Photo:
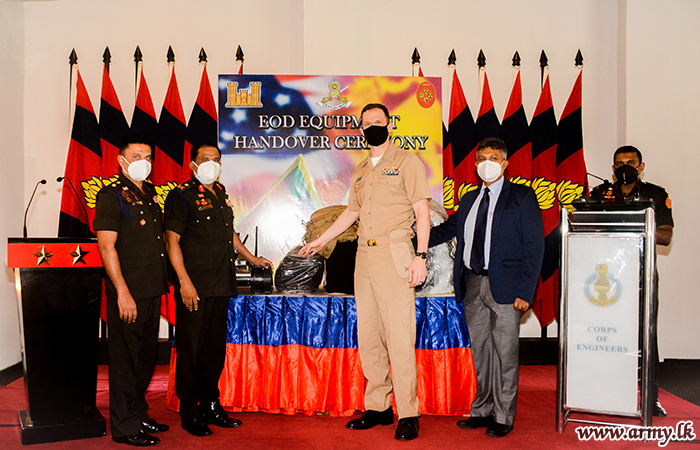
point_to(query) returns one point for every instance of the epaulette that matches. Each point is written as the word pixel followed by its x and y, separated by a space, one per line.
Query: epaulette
pixel 186 185
pixel 110 186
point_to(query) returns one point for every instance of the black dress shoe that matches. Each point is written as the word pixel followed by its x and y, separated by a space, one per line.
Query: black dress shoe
pixel 138 439
pixel 215 414
pixel 371 418
pixel 498 430
pixel 473 423
pixel 659 410
pixel 196 427
pixel 407 429
pixel 151 426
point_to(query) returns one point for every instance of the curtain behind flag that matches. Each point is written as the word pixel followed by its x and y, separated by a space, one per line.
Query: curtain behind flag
pixel 543 129
pixel 462 139
pixel 113 127
pixel 571 164
pixel 515 132
pixel 170 147
pixel 83 168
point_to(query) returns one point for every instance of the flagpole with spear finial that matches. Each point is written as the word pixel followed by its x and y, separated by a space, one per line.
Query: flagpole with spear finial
pixel 415 60
pixel 544 68
pixel 516 65
pixel 239 60
pixel 578 61
pixel 452 66
pixel 138 67
pixel 72 80
pixel 107 58
pixel 171 61
pixel 481 64
pixel 202 60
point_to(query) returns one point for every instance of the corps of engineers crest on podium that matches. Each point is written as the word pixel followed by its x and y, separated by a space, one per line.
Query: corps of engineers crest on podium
pixel 607 287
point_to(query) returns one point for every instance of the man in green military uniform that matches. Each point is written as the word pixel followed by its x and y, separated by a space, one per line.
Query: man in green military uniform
pixel 200 240
pixel 129 226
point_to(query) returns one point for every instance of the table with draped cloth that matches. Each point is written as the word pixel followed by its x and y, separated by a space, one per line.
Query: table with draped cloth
pixel 298 354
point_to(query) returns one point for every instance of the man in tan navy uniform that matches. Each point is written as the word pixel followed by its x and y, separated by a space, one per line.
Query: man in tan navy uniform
pixel 389 193
pixel 129 226
pixel 201 240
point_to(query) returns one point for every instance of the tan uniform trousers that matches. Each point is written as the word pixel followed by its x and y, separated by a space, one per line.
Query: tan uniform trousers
pixel 386 326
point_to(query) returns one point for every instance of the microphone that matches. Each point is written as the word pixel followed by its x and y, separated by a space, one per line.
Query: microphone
pixel 29 204
pixel 605 182
pixel 80 202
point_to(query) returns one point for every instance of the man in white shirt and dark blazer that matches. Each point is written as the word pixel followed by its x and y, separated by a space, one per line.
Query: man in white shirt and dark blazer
pixel 500 247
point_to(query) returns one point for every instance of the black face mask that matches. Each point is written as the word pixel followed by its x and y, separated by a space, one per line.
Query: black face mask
pixel 376 134
pixel 626 174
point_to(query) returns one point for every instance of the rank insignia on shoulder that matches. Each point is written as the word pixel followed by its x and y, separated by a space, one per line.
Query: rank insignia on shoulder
pixel 668 202
pixel 390 171
pixel 142 222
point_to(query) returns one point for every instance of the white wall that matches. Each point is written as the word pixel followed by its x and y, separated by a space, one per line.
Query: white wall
pixel 11 168
pixel 370 37
pixel 663 98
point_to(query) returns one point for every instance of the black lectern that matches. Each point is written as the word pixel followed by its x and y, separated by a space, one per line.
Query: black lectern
pixel 58 284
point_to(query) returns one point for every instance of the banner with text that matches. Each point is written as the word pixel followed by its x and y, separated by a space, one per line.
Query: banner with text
pixel 290 144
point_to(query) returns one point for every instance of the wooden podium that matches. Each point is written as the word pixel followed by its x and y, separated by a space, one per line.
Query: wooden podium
pixel 58 283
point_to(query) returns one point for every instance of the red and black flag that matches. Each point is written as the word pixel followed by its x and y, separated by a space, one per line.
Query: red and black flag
pixel 113 127
pixel 543 129
pixel 202 126
pixel 83 168
pixel 515 132
pixel 487 124
pixel 170 148
pixel 571 165
pixel 462 142
pixel 144 120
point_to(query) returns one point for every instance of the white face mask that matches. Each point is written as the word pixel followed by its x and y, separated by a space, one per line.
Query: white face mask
pixel 208 172
pixel 138 170
pixel 489 170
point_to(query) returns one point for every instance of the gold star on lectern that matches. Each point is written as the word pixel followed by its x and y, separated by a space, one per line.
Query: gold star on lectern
pixel 43 257
pixel 78 255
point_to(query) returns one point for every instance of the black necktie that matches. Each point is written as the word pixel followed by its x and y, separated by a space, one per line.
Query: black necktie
pixel 477 261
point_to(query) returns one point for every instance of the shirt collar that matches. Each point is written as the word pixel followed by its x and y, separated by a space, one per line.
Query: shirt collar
pixel 496 186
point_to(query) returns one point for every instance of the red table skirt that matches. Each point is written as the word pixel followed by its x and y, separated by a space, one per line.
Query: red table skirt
pixel 294 379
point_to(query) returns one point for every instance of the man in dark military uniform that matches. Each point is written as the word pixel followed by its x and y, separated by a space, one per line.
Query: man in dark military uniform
pixel 627 166
pixel 129 226
pixel 200 240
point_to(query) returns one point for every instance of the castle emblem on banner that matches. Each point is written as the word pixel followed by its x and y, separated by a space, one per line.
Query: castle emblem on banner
pixel 606 286
pixel 334 100
pixel 244 98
